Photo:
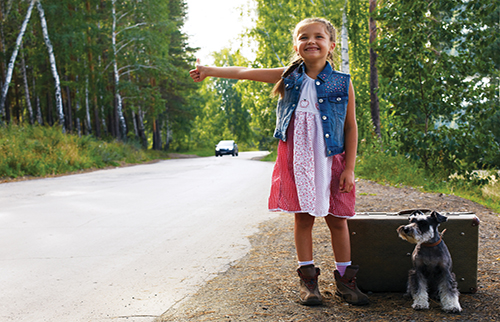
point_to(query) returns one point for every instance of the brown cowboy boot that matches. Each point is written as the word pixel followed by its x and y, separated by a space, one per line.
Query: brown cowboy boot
pixel 309 291
pixel 347 288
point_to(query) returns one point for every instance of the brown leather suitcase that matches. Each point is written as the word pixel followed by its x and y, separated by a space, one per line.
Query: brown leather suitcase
pixel 385 259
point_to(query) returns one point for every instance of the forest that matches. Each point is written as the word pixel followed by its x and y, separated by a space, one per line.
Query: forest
pixel 426 75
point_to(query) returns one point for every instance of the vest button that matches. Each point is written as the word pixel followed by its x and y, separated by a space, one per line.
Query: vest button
pixel 327 135
pixel 339 99
pixel 324 117
pixel 320 100
pixel 318 83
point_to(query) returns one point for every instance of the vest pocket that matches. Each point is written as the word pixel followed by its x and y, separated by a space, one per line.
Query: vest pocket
pixel 339 104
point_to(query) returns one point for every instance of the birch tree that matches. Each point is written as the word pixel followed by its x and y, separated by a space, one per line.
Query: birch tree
pixel 345 42
pixel 118 98
pixel 39 118
pixel 10 68
pixel 53 66
pixel 26 88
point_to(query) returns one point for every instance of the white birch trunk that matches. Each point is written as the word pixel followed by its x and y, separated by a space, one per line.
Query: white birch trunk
pixel 134 122
pixel 140 113
pixel 345 43
pixel 2 43
pixel 53 66
pixel 26 88
pixel 88 124
pixel 12 61
pixel 77 98
pixel 39 118
pixel 123 126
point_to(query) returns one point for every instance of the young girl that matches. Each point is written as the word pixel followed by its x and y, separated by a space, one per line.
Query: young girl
pixel 314 171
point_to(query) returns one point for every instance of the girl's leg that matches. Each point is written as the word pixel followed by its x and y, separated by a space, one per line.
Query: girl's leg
pixel 341 242
pixel 346 282
pixel 303 236
pixel 309 293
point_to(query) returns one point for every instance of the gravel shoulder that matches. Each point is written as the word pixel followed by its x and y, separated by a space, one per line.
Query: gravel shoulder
pixel 262 286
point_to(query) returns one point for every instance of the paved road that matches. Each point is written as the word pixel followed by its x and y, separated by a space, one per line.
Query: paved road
pixel 125 244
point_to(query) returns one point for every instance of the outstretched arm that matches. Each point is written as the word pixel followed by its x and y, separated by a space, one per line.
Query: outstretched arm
pixel 266 75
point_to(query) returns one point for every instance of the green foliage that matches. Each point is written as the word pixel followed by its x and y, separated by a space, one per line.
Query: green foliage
pixel 442 89
pixel 40 151
pixel 153 60
pixel 359 63
pixel 224 114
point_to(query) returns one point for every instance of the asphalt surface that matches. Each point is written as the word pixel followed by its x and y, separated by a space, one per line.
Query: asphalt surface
pixel 129 243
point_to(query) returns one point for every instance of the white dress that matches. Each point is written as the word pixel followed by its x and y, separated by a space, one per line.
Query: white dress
pixel 312 168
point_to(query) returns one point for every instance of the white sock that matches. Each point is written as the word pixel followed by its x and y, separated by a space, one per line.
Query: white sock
pixel 341 266
pixel 305 263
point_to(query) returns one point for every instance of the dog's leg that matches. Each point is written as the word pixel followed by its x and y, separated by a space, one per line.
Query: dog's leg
pixel 417 287
pixel 448 294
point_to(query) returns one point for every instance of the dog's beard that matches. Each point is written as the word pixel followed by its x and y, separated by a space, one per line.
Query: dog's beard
pixel 413 236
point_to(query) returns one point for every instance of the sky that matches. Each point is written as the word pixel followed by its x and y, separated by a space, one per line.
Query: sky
pixel 215 24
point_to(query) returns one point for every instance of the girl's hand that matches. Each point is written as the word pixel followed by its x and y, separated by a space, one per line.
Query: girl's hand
pixel 198 74
pixel 346 181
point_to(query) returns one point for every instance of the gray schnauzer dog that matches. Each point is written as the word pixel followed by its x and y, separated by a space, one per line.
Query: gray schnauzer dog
pixel 431 272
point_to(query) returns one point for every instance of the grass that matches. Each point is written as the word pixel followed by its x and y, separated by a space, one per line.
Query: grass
pixel 271 156
pixel 40 151
pixel 201 152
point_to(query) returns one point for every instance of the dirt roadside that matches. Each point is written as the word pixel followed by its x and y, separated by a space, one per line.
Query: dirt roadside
pixel 262 286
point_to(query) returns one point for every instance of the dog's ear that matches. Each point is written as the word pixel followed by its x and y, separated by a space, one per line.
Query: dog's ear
pixel 438 217
pixel 416 212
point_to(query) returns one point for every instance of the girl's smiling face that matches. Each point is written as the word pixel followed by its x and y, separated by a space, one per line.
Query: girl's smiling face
pixel 312 42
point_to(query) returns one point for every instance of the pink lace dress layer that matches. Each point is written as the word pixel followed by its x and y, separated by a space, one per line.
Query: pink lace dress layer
pixel 304 179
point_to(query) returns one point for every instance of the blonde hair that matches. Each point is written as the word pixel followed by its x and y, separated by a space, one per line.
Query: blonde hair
pixel 296 60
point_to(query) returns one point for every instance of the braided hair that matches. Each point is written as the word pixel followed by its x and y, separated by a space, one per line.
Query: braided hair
pixel 296 60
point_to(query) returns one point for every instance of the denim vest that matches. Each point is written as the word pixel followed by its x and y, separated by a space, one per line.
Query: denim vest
pixel 332 89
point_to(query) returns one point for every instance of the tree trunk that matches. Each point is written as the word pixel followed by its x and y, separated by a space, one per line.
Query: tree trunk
pixel 17 109
pixel 88 124
pixel 92 75
pixel 39 117
pixel 374 102
pixel 50 117
pixel 156 135
pixel 142 133
pixel 26 89
pixel 134 123
pixel 77 107
pixel 69 123
pixel 10 67
pixel 2 45
pixel 53 66
pixel 123 126
pixel 345 42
